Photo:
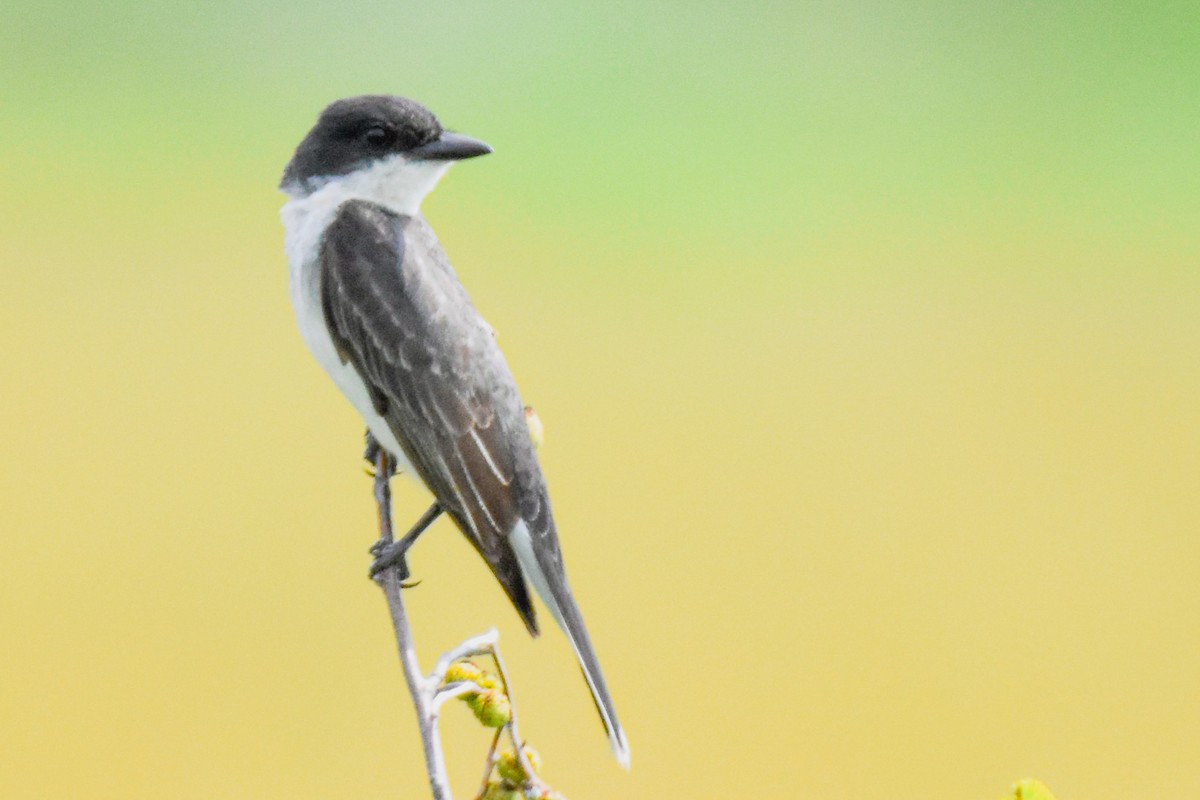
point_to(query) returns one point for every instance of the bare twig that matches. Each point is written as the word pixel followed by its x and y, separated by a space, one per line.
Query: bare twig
pixel 454 690
pixel 482 645
pixel 418 686
pixel 513 733
pixel 489 763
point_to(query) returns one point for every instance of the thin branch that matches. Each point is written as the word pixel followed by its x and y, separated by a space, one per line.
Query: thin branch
pixel 435 761
pixel 454 690
pixel 489 763
pixel 389 582
pixel 513 734
pixel 482 645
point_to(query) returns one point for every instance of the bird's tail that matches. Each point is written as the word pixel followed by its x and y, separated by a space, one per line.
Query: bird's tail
pixel 551 586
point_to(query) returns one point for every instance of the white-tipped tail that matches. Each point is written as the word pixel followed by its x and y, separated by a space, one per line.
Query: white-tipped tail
pixel 557 596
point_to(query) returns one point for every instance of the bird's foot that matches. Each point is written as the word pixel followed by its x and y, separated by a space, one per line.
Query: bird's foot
pixel 390 554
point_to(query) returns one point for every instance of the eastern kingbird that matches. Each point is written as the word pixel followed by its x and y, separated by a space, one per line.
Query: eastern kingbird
pixel 382 311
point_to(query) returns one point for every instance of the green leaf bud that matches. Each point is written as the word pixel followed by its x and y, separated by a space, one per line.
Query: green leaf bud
pixel 491 708
pixel 510 767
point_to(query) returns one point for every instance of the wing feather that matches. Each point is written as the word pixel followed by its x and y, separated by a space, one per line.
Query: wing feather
pixel 435 375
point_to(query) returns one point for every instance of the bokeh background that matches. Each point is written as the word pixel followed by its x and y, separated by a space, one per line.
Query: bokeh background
pixel 866 338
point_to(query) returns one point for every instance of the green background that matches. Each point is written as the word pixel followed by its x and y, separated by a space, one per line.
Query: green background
pixel 866 339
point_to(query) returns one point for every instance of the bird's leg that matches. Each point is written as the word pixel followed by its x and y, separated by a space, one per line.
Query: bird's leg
pixel 383 468
pixel 371 454
pixel 389 553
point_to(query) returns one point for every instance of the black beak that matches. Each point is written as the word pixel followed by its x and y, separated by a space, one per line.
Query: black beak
pixel 450 147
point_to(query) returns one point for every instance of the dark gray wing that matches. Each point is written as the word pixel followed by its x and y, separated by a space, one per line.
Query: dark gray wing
pixel 398 314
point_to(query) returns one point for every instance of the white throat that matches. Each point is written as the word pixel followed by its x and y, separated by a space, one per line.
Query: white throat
pixel 396 183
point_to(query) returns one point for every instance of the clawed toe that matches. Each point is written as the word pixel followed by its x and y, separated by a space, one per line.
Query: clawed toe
pixel 388 555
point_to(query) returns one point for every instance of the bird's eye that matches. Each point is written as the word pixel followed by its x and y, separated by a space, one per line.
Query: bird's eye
pixel 376 136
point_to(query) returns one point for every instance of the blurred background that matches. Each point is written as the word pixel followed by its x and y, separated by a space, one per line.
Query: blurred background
pixel 866 340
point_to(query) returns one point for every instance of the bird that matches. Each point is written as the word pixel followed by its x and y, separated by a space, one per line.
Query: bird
pixel 382 311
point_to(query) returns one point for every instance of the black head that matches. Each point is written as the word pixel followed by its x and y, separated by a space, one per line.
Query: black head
pixel 356 131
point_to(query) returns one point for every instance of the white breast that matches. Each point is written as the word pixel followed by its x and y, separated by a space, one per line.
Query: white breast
pixel 395 183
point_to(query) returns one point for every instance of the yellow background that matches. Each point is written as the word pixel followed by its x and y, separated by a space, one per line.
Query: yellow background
pixel 866 340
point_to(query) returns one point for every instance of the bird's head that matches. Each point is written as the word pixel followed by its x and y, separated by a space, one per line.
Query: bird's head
pixel 381 147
